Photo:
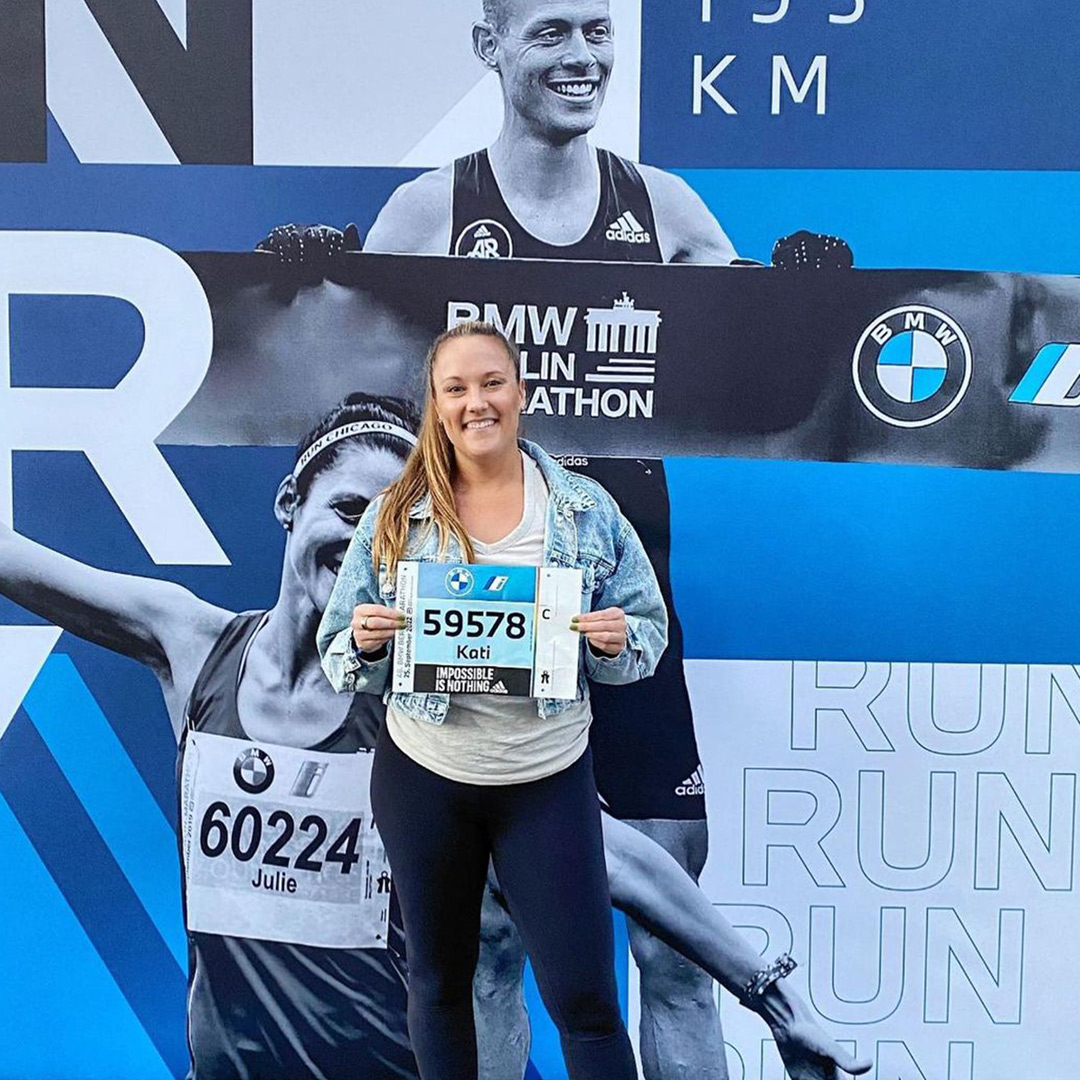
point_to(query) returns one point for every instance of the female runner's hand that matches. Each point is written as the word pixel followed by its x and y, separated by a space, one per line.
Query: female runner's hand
pixel 809 1054
pixel 373 626
pixel 807 1051
pixel 604 630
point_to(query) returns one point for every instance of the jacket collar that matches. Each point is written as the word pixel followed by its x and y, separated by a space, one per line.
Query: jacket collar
pixel 566 488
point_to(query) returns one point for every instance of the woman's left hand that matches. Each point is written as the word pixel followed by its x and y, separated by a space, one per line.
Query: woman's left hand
pixel 604 630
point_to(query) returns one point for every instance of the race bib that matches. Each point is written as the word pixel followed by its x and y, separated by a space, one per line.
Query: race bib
pixel 280 844
pixel 487 630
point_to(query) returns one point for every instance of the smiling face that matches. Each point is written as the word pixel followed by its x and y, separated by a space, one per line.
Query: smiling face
pixel 325 517
pixel 477 396
pixel 555 58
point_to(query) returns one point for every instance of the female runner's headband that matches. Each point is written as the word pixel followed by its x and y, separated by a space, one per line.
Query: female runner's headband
pixel 358 427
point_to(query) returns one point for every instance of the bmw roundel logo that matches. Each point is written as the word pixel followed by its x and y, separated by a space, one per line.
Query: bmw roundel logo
pixel 253 771
pixel 459 581
pixel 912 366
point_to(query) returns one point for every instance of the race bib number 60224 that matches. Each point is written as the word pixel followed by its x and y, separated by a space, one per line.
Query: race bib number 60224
pixel 279 844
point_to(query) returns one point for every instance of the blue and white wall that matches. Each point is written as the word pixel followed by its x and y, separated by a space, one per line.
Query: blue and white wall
pixel 881 656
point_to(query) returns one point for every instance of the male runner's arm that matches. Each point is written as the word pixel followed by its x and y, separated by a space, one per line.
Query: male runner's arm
pixel 154 622
pixel 416 217
pixel 685 226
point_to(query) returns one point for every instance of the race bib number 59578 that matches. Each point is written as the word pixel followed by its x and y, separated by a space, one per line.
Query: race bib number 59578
pixel 279 844
pixel 487 630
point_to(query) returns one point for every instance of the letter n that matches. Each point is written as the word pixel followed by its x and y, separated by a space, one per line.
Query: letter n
pixel 198 95
pixel 22 61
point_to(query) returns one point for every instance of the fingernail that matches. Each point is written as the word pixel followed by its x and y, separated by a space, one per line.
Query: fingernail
pixel 575 628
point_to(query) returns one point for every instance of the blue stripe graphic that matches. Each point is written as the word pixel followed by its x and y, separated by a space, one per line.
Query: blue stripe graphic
pixel 97 891
pixel 48 958
pixel 945 219
pixel 1032 382
pixel 926 219
pixel 817 561
pixel 112 793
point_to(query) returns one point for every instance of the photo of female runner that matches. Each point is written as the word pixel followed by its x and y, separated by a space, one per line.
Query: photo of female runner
pixel 457 780
pixel 267 1009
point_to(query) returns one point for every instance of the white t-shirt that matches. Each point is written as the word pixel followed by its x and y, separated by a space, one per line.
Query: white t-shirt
pixel 497 740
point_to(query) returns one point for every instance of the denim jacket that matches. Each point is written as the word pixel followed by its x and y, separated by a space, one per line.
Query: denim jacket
pixel 584 529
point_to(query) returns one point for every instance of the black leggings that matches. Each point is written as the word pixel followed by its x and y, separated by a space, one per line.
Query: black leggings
pixel 545 840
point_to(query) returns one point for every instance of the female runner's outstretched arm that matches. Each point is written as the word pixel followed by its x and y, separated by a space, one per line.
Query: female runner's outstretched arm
pixel 159 623
pixel 648 884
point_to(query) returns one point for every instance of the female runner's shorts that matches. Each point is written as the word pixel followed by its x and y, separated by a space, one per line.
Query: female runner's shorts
pixel 645 755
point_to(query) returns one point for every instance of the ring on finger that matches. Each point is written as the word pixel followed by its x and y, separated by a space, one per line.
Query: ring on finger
pixel 363 622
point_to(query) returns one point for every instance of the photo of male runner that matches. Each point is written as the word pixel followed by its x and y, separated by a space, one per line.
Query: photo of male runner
pixel 542 190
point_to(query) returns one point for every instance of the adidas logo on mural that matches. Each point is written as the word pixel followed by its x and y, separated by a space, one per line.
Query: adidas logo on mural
pixel 694 784
pixel 627 228
pixel 498 688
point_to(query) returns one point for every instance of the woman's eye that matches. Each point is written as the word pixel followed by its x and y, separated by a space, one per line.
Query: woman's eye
pixel 492 383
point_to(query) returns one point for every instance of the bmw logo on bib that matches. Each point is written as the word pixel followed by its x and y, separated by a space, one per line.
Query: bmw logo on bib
pixel 459 581
pixel 254 771
pixel 912 366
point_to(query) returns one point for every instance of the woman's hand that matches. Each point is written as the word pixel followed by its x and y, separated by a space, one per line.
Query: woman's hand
pixel 374 625
pixel 604 630
pixel 807 1051
pixel 809 1054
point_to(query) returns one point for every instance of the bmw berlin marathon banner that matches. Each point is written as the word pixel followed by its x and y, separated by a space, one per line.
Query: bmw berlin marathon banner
pixel 794 281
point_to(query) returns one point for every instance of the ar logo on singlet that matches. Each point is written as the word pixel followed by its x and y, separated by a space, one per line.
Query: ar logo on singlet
pixel 912 366
pixel 484 239
pixel 253 771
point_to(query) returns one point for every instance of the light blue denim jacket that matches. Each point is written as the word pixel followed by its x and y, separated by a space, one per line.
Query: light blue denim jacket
pixel 584 528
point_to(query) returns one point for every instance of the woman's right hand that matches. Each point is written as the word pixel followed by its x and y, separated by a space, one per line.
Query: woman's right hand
pixel 373 626
pixel 808 1052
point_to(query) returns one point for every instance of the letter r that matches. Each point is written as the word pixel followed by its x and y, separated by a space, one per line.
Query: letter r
pixel 116 427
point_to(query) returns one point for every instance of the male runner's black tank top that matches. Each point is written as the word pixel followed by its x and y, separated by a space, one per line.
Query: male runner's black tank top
pixel 623 230
pixel 644 748
pixel 268 1010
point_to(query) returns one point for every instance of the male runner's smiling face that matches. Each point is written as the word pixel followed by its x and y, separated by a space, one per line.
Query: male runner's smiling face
pixel 555 59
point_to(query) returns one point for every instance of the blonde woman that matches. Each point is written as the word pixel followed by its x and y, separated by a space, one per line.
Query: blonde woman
pixel 460 780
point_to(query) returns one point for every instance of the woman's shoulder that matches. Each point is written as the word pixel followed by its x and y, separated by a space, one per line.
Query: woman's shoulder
pixel 562 478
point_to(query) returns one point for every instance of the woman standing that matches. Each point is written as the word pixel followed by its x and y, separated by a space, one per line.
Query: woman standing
pixel 458 780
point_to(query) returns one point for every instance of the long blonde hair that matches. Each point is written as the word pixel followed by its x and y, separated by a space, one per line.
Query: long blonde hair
pixel 429 470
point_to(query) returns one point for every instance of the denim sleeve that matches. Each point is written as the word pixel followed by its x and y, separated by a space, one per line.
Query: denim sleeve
pixel 633 587
pixel 346 668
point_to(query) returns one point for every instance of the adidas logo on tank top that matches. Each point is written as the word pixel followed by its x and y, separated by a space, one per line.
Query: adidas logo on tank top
pixel 628 229
pixel 694 784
